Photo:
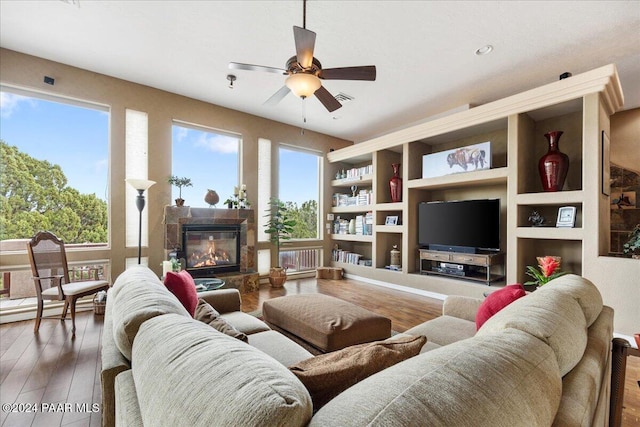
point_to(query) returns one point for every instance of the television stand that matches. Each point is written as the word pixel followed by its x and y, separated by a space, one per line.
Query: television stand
pixel 448 264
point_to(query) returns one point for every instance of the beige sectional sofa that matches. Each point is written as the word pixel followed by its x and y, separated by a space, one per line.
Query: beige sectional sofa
pixel 543 360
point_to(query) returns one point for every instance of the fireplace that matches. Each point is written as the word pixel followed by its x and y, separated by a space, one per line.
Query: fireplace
pixel 210 249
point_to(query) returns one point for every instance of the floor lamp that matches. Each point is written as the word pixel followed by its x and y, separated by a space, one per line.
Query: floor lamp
pixel 140 185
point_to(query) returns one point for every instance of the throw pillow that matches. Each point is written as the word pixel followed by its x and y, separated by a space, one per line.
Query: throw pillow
pixel 184 288
pixel 327 375
pixel 209 315
pixel 496 301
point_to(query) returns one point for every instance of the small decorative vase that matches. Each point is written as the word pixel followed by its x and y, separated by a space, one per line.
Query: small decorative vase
pixel 396 260
pixel 395 184
pixel 352 226
pixel 277 277
pixel 554 165
pixel 211 198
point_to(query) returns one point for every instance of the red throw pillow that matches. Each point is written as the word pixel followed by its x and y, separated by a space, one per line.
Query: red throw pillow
pixel 498 300
pixel 184 288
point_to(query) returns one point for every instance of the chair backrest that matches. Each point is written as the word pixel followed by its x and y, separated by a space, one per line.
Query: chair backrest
pixel 48 257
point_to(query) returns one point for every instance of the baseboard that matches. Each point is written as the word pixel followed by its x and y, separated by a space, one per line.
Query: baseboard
pixel 415 291
pixel 17 314
pixel 292 276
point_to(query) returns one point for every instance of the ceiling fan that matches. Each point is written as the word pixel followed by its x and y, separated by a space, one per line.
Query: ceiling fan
pixel 305 72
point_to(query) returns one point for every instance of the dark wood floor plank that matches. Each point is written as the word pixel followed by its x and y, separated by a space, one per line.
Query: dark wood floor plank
pixel 26 358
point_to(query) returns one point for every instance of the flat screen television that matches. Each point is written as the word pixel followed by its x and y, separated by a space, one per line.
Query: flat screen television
pixel 460 226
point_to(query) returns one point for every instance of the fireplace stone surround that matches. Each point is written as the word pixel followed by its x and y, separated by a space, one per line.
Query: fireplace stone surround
pixel 247 279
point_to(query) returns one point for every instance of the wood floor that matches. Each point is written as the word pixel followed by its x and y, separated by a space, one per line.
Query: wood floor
pixel 53 369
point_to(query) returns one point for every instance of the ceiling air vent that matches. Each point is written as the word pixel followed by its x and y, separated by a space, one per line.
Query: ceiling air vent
pixel 343 97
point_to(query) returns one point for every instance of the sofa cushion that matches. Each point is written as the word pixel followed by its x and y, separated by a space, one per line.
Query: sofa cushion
pixel 444 330
pixel 134 274
pixel 128 413
pixel 581 388
pixel 137 302
pixel 188 374
pixel 504 379
pixel 327 375
pixel 184 288
pixel 245 323
pixel 498 300
pixel 207 314
pixel 279 347
pixel 553 317
pixel 580 289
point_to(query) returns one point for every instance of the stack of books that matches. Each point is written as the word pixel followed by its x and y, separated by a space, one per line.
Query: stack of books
pixel 347 257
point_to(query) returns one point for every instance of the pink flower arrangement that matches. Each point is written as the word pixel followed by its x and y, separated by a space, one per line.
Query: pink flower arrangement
pixel 548 269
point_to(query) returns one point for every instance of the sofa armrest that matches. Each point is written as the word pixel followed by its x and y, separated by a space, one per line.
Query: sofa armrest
pixel 461 307
pixel 223 300
pixel 113 363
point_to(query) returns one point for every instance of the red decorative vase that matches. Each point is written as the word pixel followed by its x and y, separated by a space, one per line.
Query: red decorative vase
pixel 395 184
pixel 554 165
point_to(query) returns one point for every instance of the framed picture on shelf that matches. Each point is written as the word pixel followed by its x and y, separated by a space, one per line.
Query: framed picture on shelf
pixel 566 216
pixel 459 160
pixel 391 220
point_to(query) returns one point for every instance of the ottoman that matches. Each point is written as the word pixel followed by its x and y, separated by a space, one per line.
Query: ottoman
pixel 325 322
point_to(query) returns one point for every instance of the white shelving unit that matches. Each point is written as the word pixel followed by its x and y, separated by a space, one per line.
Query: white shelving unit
pixel 515 126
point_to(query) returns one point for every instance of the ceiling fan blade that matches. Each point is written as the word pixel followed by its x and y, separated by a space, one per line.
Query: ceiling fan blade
pixel 305 43
pixel 251 67
pixel 366 72
pixel 329 102
pixel 278 96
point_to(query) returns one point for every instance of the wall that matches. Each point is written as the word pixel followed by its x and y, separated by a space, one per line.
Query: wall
pixel 616 278
pixel 625 139
pixel 27 72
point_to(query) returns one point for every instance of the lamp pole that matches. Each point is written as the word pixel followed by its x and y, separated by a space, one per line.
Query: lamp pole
pixel 140 205
pixel 140 185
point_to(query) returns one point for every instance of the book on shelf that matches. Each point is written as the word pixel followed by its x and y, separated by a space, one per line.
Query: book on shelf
pixel 339 255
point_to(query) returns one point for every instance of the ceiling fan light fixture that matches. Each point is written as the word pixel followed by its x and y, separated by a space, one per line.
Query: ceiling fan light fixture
pixel 303 84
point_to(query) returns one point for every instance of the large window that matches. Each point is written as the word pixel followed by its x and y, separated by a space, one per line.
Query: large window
pixel 54 164
pixel 299 188
pixel 209 158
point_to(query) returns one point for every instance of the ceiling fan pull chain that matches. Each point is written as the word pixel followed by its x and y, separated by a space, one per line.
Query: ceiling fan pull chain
pixel 304 116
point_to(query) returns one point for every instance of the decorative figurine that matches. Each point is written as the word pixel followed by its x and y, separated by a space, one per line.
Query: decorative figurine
pixel 536 219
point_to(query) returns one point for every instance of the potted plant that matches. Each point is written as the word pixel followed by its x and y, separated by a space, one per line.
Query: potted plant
pixel 230 203
pixel 632 245
pixel 180 182
pixel 549 269
pixel 280 226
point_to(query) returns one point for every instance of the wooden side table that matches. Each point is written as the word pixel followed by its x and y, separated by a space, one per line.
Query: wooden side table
pixel 621 349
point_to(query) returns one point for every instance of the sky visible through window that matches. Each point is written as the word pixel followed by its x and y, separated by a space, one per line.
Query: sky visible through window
pixel 75 138
pixel 209 159
pixel 298 176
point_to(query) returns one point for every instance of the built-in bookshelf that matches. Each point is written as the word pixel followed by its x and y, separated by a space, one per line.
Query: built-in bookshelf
pixel 515 127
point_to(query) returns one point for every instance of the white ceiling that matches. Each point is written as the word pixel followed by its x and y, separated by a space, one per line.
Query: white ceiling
pixel 423 50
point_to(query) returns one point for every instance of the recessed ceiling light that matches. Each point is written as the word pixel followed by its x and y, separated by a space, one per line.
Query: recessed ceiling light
pixel 484 50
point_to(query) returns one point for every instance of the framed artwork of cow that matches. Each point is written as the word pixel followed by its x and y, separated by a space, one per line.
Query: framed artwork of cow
pixel 459 160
